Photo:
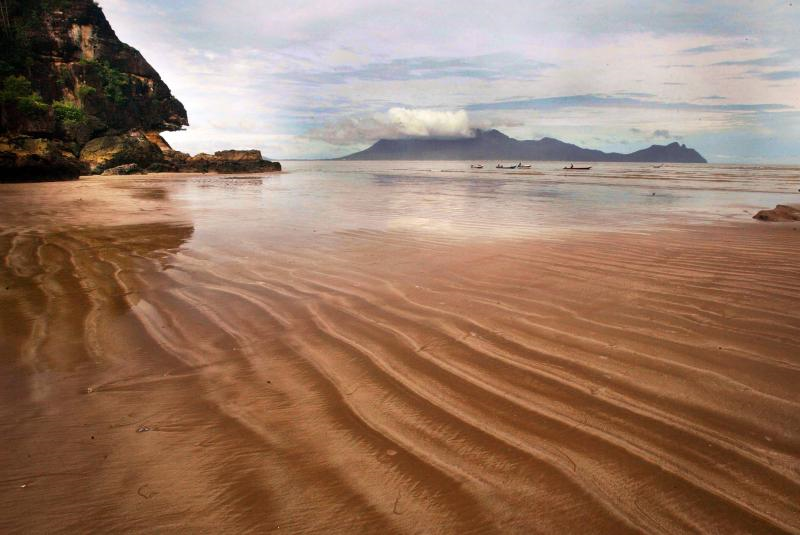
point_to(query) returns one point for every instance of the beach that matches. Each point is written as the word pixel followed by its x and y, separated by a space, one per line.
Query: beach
pixel 396 347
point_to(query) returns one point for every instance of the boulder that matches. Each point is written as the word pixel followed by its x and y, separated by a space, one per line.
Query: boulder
pixel 229 161
pixel 781 212
pixel 111 151
pixel 251 155
pixel 24 159
pixel 125 169
pixel 161 167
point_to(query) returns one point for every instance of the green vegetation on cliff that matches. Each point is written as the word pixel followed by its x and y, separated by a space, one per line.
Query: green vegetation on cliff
pixel 115 83
pixel 18 91
pixel 68 114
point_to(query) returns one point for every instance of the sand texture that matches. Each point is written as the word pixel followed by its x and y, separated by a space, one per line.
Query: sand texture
pixel 163 373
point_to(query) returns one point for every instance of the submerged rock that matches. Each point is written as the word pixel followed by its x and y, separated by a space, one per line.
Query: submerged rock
pixel 781 212
pixel 24 159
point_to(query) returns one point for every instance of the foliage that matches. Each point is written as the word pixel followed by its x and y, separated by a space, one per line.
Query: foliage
pixel 115 83
pixel 15 87
pixel 68 114
pixel 85 90
pixel 18 90
pixel 64 77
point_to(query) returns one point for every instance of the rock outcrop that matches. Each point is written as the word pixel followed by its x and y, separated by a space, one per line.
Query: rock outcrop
pixel 112 151
pixel 23 158
pixel 124 169
pixel 75 99
pixel 780 213
pixel 230 161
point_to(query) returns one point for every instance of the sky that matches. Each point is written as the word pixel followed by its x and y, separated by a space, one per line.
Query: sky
pixel 325 78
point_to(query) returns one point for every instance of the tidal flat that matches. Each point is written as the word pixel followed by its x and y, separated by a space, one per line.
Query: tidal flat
pixel 402 347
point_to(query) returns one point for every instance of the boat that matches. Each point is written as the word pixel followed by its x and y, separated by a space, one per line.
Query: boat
pixel 476 166
pixel 521 166
pixel 501 166
pixel 573 168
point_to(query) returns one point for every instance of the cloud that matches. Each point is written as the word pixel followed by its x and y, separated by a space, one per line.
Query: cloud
pixel 780 75
pixel 635 94
pixel 706 49
pixel 656 134
pixel 430 123
pixel 404 123
pixel 397 123
pixel 484 67
pixel 604 101
pixel 764 61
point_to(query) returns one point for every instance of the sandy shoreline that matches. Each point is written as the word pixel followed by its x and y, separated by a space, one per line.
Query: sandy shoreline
pixel 156 379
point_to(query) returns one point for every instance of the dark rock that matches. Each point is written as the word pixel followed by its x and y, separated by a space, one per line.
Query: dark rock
pixel 125 169
pixel 781 212
pixel 229 161
pixel 251 155
pixel 111 151
pixel 161 167
pixel 25 159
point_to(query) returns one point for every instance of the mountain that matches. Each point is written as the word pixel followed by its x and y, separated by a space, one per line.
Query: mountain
pixel 75 99
pixel 494 145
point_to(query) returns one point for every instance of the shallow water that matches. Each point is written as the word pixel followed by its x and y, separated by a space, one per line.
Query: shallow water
pixel 449 198
pixel 437 198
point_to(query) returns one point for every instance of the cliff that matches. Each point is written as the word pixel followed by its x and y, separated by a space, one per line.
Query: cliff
pixel 494 145
pixel 75 99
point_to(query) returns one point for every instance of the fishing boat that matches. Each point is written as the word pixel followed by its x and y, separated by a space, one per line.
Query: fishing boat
pixel 521 166
pixel 573 168
pixel 501 166
pixel 476 166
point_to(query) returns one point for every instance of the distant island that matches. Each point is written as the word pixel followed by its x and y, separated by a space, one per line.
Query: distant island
pixel 494 145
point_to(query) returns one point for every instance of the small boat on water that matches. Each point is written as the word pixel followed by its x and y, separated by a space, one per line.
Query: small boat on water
pixel 521 166
pixel 476 166
pixel 501 166
pixel 573 168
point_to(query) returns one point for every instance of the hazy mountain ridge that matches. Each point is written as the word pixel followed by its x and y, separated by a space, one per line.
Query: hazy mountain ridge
pixel 494 145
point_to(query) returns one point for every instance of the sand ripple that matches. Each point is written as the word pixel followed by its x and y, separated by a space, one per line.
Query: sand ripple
pixel 156 377
pixel 376 382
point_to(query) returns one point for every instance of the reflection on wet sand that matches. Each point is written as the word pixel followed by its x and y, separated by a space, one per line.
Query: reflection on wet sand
pixel 255 371
pixel 61 289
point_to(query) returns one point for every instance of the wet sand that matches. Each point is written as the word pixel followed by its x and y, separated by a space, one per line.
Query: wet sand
pixel 162 371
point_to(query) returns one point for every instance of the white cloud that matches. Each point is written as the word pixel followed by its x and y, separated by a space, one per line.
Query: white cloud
pixel 397 123
pixel 400 123
pixel 429 123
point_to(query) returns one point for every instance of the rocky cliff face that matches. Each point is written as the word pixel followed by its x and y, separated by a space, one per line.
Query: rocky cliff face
pixel 84 100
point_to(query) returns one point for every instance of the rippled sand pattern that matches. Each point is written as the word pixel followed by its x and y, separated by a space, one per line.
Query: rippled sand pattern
pixel 163 371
